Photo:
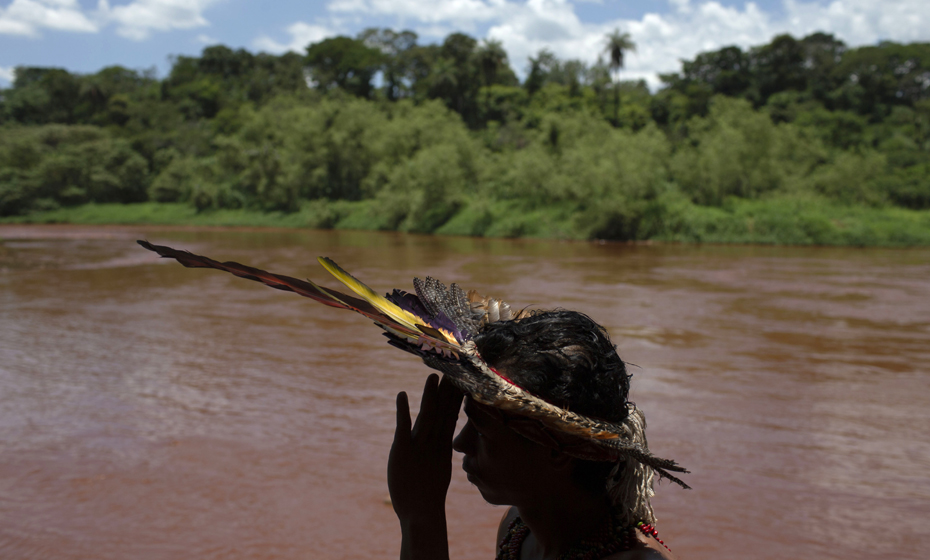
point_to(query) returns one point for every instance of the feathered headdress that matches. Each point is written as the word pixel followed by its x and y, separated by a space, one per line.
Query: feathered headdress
pixel 438 324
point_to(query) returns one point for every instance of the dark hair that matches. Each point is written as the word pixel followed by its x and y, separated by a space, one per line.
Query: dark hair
pixel 568 360
pixel 563 357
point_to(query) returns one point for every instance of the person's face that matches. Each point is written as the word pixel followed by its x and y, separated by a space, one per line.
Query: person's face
pixel 503 465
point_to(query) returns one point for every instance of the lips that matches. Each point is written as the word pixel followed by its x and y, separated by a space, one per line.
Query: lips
pixel 468 468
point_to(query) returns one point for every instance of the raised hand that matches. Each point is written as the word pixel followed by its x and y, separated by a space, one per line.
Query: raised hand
pixel 420 464
pixel 420 469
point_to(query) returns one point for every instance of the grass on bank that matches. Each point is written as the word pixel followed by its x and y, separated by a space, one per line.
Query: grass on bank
pixel 775 221
pixel 797 222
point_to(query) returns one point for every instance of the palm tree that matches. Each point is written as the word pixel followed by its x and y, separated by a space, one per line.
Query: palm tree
pixel 616 46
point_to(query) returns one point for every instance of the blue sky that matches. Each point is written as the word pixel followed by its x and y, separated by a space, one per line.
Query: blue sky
pixel 86 35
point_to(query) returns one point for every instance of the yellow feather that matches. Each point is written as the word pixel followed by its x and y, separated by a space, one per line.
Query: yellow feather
pixel 390 309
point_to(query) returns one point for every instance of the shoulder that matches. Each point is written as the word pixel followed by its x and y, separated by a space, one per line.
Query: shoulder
pixel 640 554
pixel 647 549
pixel 508 517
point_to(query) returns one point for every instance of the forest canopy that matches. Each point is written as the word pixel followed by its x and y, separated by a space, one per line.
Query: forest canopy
pixel 773 143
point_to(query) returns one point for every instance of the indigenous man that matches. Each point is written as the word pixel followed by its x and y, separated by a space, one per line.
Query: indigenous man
pixel 549 432
pixel 567 502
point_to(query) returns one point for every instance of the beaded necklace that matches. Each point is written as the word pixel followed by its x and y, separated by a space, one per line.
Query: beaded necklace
pixel 609 539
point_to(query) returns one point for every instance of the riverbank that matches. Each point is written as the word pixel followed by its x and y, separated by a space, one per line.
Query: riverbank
pixel 771 222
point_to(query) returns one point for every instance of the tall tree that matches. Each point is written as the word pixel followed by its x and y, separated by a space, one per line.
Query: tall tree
pixel 778 66
pixel 492 58
pixel 617 45
pixel 546 68
pixel 419 67
pixel 43 95
pixel 822 54
pixel 727 71
pixel 456 78
pixel 541 68
pixel 345 63
pixel 397 63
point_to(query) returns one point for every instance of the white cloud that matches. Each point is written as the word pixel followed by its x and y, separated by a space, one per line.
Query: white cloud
pixel 206 39
pixel 27 17
pixel 459 13
pixel 134 20
pixel 10 26
pixel 435 31
pixel 662 40
pixel 862 22
pixel 550 24
pixel 302 34
pixel 139 18
pixel 7 74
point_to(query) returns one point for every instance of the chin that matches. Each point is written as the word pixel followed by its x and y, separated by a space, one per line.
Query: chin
pixel 487 493
pixel 489 496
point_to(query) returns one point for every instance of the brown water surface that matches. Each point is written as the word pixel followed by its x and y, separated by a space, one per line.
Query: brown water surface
pixel 149 411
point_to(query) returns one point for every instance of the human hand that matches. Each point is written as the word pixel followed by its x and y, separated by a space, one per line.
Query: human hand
pixel 420 463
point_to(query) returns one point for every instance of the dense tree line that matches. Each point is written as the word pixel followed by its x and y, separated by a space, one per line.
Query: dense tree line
pixel 444 137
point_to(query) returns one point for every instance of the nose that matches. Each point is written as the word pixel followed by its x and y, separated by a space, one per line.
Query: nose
pixel 465 441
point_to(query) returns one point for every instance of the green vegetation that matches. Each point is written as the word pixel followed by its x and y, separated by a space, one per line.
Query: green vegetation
pixel 794 142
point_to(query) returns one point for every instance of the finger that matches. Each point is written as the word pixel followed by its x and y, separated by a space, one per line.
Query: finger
pixel 402 430
pixel 426 416
pixel 448 389
pixel 450 403
pixel 449 397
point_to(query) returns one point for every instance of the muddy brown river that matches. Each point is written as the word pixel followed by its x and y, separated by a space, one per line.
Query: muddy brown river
pixel 149 411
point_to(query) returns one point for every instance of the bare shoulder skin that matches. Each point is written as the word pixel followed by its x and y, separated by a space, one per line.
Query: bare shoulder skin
pixel 649 549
